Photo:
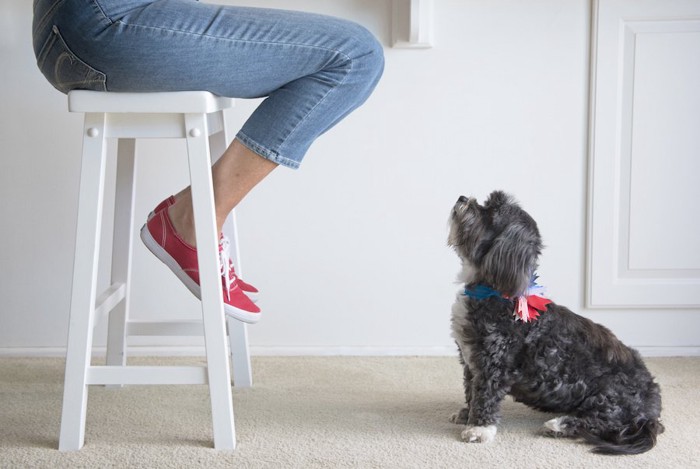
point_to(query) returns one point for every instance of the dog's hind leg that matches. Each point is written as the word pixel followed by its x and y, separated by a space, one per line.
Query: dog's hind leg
pixel 566 427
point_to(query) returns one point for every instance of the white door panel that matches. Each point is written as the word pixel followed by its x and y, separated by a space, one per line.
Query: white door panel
pixel 644 220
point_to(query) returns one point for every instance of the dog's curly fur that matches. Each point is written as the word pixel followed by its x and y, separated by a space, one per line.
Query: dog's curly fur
pixel 561 362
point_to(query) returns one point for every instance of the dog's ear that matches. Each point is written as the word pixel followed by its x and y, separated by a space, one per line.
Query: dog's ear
pixel 498 198
pixel 512 259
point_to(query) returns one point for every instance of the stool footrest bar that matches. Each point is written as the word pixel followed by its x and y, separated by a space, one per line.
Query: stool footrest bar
pixel 147 375
pixel 109 299
pixel 165 328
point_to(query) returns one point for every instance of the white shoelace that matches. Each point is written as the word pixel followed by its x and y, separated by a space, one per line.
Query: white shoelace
pixel 226 265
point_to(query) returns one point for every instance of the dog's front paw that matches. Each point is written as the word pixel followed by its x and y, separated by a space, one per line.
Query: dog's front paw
pixel 460 417
pixel 479 434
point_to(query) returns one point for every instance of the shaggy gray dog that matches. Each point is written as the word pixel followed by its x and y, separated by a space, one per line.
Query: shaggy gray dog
pixel 548 358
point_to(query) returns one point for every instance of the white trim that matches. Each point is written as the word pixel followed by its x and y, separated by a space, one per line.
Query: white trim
pixel 291 351
pixel 355 351
pixel 412 24
pixel 651 351
pixel 135 351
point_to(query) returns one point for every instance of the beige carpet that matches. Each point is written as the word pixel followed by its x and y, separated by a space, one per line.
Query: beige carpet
pixel 316 412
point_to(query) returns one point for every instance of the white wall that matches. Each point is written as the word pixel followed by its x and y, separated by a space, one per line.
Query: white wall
pixel 350 250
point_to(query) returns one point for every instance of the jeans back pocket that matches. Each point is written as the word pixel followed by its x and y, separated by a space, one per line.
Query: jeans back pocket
pixel 64 70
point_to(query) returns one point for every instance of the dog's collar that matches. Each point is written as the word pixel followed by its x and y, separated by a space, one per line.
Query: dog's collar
pixel 527 307
pixel 481 292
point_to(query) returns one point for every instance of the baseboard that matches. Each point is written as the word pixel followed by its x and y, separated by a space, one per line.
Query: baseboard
pixel 437 351
pixel 292 351
pixel 651 351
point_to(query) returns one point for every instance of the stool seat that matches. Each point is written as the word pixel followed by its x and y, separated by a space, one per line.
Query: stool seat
pixel 166 102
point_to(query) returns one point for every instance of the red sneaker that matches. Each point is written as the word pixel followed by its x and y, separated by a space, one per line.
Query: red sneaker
pixel 160 238
pixel 247 288
pixel 164 204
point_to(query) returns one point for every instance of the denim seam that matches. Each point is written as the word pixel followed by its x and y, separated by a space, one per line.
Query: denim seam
pixel 99 7
pixel 47 16
pixel 209 36
pixel 266 152
pixel 58 37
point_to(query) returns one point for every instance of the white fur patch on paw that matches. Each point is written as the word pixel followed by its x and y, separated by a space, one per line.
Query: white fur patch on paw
pixel 555 425
pixel 479 434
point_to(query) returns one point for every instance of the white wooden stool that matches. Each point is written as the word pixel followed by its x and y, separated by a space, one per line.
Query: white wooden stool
pixel 197 117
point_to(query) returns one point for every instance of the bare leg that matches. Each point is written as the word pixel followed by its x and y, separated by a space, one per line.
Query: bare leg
pixel 238 170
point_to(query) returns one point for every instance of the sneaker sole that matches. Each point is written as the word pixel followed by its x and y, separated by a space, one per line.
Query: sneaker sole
pixel 192 286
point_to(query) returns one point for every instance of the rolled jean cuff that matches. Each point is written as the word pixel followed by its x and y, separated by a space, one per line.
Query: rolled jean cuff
pixel 266 153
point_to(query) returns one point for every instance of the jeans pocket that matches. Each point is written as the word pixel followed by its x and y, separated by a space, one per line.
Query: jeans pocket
pixel 64 70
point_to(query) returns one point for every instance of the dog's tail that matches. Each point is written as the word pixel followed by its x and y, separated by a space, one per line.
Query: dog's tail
pixel 636 438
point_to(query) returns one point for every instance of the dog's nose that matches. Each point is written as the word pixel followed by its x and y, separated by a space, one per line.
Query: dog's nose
pixel 462 199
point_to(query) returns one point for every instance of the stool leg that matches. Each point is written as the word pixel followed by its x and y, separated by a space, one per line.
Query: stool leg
pixel 240 353
pixel 210 281
pixel 87 246
pixel 237 330
pixel 122 250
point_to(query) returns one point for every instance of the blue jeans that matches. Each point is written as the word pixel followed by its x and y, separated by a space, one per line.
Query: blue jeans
pixel 313 69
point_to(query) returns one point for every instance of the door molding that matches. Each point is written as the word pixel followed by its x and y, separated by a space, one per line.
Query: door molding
pixel 628 261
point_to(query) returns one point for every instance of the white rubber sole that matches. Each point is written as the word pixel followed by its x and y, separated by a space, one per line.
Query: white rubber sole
pixel 192 286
